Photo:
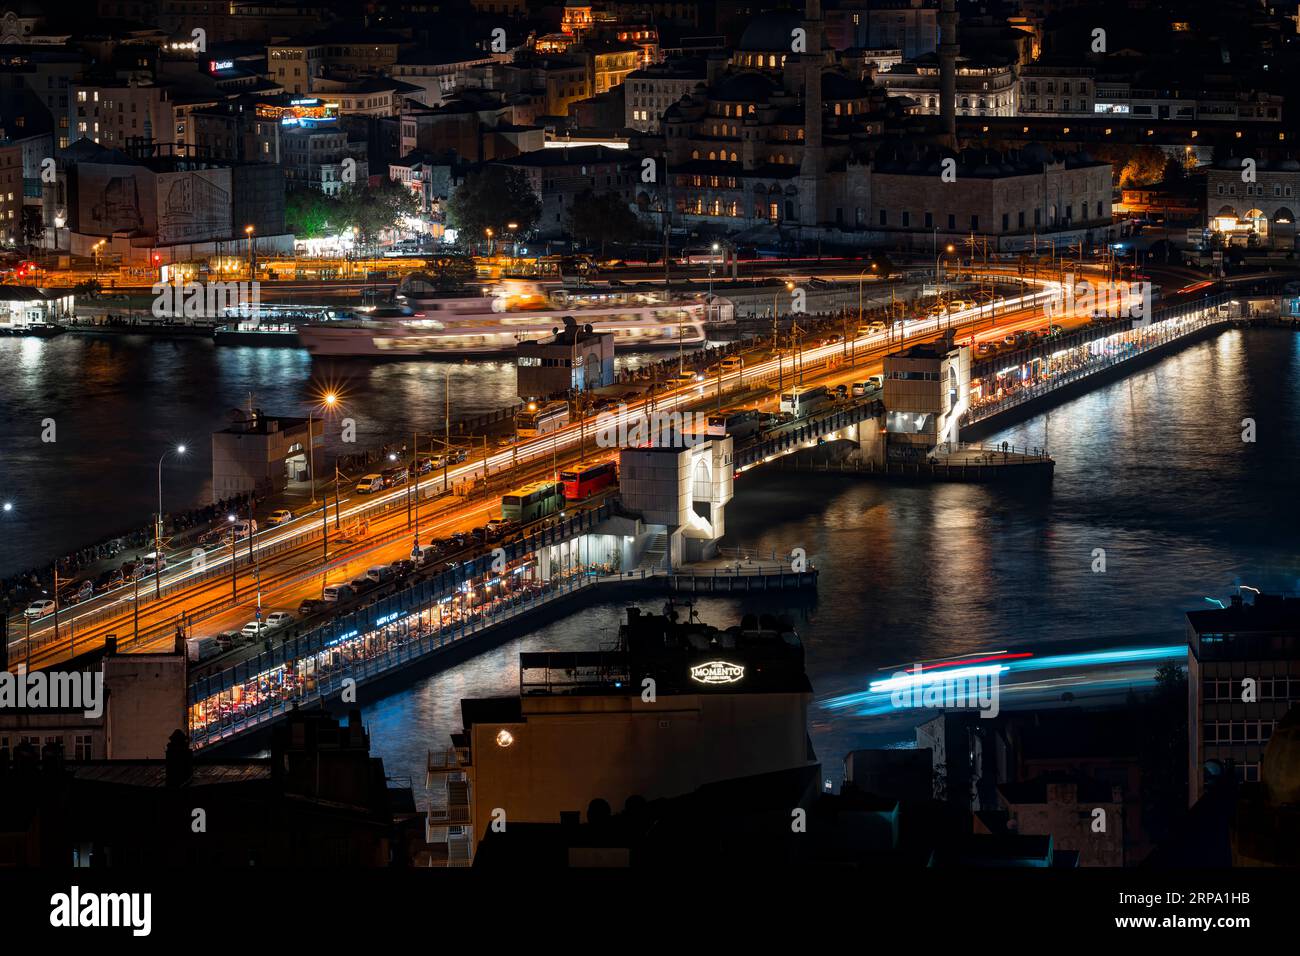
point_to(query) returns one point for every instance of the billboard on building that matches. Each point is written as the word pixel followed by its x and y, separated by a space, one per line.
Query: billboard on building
pixel 193 206
pixel 114 198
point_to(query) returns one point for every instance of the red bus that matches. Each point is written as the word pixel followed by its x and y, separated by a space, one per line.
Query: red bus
pixel 579 485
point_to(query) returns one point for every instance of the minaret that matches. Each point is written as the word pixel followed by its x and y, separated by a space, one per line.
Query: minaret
pixel 813 165
pixel 948 70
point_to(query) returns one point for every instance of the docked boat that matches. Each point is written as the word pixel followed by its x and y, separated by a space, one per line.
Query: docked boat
pixel 422 324
pixel 41 330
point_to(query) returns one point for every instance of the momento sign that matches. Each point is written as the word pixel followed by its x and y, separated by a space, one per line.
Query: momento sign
pixel 717 672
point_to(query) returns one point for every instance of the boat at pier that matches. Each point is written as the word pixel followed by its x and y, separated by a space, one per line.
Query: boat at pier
pixel 425 323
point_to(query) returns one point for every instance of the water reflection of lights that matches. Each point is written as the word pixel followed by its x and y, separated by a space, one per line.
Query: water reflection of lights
pixel 1034 673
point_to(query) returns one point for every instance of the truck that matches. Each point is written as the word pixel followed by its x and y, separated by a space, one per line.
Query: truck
pixel 201 648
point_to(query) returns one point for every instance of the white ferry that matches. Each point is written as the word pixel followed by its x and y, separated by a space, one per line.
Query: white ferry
pixel 423 324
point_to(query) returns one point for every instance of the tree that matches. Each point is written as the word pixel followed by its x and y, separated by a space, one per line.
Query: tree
pixel 494 197
pixel 598 218
pixel 90 289
pixel 310 214
pixel 33 229
pixel 373 209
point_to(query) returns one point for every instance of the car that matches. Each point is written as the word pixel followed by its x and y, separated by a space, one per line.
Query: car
pixel 1009 339
pixel 458 540
pixel 252 629
pixel 362 584
pixel 369 484
pixel 109 579
pixel 841 391
pixel 505 441
pixel 279 516
pixel 402 566
pixel 380 574
pixel 337 592
pixel 311 606
pixel 499 526
pixel 427 465
pixel 394 476
pixel 151 563
pixel 278 619
pixel 458 456
pixel 228 639
pixel 39 608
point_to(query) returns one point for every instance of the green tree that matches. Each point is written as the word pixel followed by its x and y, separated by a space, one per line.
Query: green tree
pixel 599 218
pixel 373 209
pixel 310 214
pixel 493 198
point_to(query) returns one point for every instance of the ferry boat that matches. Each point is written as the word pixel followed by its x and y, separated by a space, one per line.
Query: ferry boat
pixel 495 322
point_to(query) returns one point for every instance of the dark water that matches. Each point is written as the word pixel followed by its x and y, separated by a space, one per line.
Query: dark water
pixel 119 402
pixel 1152 469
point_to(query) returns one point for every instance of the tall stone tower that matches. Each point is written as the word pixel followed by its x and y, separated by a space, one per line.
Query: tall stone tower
pixel 813 166
pixel 948 50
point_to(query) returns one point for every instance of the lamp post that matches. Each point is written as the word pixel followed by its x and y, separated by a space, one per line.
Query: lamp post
pixel 234 558
pixel 157 533
pixel 248 231
pixel 713 259
pixel 328 400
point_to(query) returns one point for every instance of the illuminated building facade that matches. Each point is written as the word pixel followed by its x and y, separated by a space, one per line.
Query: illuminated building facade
pixel 1250 202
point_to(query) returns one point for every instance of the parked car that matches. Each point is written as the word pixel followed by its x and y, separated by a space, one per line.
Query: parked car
pixel 151 563
pixel 252 629
pixel 362 584
pixel 278 619
pixel 39 608
pixel 279 516
pixel 311 606
pixel 337 592
pixel 369 484
pixel 402 566
pixel 394 476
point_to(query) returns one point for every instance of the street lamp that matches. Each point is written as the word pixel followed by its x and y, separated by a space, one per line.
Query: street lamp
pixel 712 265
pixel 248 231
pixel 157 533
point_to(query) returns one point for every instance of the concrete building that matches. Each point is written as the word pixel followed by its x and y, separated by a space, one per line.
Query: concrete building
pixel 1054 87
pixel 927 387
pixel 983 88
pixel 560 176
pixel 1253 203
pixel 262 454
pixel 323 157
pixel 681 493
pixel 581 738
pixel 1079 814
pixel 1011 196
pixel 574 360
pixel 339 52
pixel 142 701
pixel 437 73
pixel 649 91
pixel 1243 675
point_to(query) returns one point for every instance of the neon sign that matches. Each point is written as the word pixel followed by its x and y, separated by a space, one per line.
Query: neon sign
pixel 717 672
pixel 215 65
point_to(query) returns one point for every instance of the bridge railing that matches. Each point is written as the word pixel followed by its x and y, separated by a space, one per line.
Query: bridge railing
pixel 1169 328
